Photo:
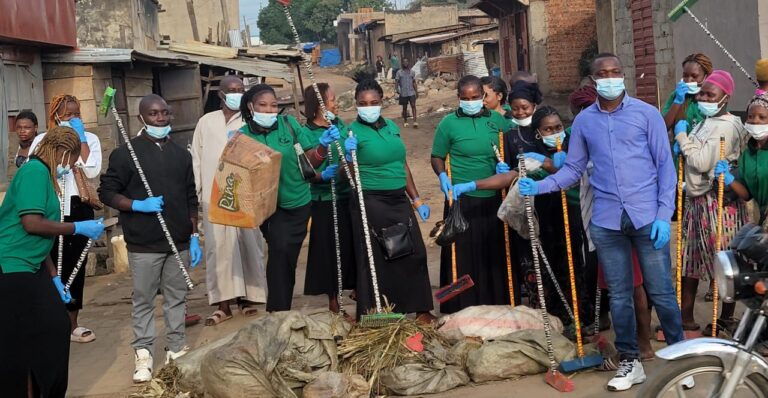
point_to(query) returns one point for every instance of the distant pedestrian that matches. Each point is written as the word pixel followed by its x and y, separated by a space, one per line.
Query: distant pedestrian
pixel 380 67
pixel 26 129
pixel 394 63
pixel 405 86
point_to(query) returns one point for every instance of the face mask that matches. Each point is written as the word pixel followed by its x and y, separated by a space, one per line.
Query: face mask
pixel 524 122
pixel 265 120
pixel 62 170
pixel 330 116
pixel 693 88
pixel 232 100
pixel 610 88
pixel 64 123
pixel 158 132
pixel 369 114
pixel 710 109
pixel 471 107
pixel 551 140
pixel 757 131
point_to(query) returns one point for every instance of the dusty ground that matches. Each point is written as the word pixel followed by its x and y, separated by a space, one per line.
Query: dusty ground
pixel 104 368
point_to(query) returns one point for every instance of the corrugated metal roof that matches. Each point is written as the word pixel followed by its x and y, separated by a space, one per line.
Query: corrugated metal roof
pixel 88 55
pixel 440 37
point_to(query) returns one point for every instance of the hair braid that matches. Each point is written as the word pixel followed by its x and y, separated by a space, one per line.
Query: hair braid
pixel 57 138
pixel 56 102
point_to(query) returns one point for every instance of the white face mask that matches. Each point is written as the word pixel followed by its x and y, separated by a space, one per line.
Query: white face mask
pixel 757 131
pixel 693 88
pixel 524 122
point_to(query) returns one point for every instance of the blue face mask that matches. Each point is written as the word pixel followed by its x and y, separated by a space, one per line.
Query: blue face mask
pixel 265 120
pixel 232 100
pixel 471 107
pixel 64 123
pixel 157 132
pixel 610 88
pixel 369 114
pixel 61 171
pixel 551 140
pixel 710 109
pixel 330 116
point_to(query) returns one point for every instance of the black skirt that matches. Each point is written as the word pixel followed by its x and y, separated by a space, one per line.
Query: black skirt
pixel 479 253
pixel 321 261
pixel 405 281
pixel 34 335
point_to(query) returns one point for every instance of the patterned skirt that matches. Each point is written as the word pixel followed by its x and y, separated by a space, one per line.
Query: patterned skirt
pixel 700 230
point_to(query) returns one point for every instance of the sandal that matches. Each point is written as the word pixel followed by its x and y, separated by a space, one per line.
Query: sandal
pixel 216 318
pixel 248 310
pixel 82 335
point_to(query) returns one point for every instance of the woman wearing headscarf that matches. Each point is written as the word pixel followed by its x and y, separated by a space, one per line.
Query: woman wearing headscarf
pixel 701 151
pixel 681 104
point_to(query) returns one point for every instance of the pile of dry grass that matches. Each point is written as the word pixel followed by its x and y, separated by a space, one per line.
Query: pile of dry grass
pixel 164 385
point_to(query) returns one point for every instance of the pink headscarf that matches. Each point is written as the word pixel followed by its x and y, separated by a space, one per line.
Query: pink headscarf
pixel 722 79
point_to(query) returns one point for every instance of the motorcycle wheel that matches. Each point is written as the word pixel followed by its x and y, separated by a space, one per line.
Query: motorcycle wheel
pixel 664 381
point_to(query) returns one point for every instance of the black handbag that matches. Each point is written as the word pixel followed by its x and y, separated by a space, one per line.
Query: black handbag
pixel 305 168
pixel 395 241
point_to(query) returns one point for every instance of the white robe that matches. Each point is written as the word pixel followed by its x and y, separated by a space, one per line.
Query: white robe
pixel 234 257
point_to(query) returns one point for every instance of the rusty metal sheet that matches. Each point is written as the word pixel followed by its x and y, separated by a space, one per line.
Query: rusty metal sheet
pixel 43 22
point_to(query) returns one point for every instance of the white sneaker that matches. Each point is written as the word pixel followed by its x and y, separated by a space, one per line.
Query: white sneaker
pixel 143 363
pixel 174 355
pixel 688 383
pixel 405 124
pixel 630 373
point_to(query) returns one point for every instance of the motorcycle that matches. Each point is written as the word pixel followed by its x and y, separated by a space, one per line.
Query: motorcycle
pixel 724 368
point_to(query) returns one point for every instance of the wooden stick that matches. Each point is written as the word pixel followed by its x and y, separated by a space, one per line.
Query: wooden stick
pixel 680 171
pixel 719 235
pixel 454 271
pixel 510 279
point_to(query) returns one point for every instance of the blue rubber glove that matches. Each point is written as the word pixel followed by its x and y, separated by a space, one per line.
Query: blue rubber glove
pixel 528 187
pixel 152 204
pixel 329 135
pixel 350 144
pixel 91 229
pixel 535 156
pixel 459 189
pixel 502 168
pixel 445 184
pixel 423 211
pixel 681 127
pixel 660 234
pixel 676 149
pixel 680 91
pixel 722 167
pixel 195 254
pixel 559 159
pixel 329 172
pixel 77 124
pixel 65 296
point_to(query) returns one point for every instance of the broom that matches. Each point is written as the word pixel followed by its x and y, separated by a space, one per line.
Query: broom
pixel 459 285
pixel 718 235
pixel 584 361
pixel 679 254
pixel 510 281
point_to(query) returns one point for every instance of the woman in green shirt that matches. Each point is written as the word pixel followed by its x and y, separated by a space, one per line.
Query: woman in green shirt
pixel 465 138
pixel 390 198
pixel 495 99
pixel 286 229
pixel 321 276
pixel 34 337
pixel 681 104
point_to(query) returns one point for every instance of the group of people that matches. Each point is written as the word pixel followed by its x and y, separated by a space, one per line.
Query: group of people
pixel 615 164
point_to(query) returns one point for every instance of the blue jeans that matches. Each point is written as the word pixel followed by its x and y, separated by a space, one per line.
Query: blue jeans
pixel 614 249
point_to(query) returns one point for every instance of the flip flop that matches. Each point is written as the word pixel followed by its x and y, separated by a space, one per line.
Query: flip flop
pixel 248 310
pixel 216 318
pixel 82 335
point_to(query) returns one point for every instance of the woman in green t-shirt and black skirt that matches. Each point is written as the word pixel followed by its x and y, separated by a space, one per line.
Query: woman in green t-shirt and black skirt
pixel 390 197
pixel 321 276
pixel 34 335
pixel 286 229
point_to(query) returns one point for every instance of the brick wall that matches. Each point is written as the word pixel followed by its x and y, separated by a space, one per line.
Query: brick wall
pixel 644 50
pixel 570 29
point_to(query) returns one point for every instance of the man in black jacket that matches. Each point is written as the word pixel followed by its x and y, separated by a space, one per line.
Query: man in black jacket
pixel 168 168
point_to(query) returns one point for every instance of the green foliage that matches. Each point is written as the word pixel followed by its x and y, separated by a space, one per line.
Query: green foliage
pixel 585 62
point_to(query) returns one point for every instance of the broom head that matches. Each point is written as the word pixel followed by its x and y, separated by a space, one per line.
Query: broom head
pixel 585 362
pixel 559 381
pixel 106 101
pixel 454 289
pixel 676 12
pixel 380 319
pixel 285 3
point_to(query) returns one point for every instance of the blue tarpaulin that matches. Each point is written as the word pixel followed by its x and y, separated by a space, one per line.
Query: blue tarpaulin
pixel 330 57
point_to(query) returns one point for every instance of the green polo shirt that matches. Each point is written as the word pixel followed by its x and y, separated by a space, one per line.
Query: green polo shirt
pixel 293 191
pixel 753 173
pixel 380 155
pixel 321 191
pixel 469 140
pixel 30 192
pixel 692 113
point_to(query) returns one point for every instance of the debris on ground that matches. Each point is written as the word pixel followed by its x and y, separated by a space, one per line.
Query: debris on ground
pixel 491 321
pixel 334 384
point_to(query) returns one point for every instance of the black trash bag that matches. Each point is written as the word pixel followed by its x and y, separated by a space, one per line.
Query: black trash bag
pixel 455 225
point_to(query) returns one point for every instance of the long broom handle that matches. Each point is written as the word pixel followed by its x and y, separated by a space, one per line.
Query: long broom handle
pixel 144 181
pixel 679 254
pixel 510 279
pixel 571 271
pixel 60 249
pixel 339 283
pixel 718 235
pixel 454 270
pixel 80 262
pixel 537 268
pixel 366 231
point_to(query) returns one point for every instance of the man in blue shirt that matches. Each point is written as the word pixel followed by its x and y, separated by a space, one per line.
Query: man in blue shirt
pixel 634 186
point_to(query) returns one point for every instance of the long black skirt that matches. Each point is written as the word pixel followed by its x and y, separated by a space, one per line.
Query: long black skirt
pixel 321 277
pixel 479 253
pixel 34 336
pixel 405 281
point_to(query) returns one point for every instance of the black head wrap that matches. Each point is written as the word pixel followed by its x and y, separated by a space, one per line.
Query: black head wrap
pixel 527 91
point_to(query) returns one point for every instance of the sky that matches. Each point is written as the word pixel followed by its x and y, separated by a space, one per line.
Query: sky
pixel 250 10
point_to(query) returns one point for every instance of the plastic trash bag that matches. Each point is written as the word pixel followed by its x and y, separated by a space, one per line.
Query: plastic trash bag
pixel 512 212
pixel 455 225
